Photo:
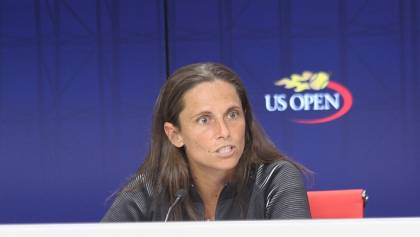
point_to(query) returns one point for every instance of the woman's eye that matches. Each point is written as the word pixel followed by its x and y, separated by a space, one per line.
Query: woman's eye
pixel 203 120
pixel 233 114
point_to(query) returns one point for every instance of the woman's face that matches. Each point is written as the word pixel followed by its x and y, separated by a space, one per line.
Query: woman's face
pixel 212 128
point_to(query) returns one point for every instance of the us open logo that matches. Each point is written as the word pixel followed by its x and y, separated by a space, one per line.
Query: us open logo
pixel 326 100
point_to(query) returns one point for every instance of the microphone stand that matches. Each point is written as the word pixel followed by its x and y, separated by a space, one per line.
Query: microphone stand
pixel 180 194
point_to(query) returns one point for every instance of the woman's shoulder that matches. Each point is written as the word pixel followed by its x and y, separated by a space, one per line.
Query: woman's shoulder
pixel 139 183
pixel 277 165
pixel 279 171
pixel 132 202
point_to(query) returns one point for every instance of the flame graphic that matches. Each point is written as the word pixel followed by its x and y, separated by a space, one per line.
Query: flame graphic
pixel 307 81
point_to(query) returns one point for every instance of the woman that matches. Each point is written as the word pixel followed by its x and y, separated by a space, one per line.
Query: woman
pixel 207 149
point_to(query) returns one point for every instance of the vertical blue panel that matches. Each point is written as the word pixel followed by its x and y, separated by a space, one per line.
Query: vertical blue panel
pixel 79 80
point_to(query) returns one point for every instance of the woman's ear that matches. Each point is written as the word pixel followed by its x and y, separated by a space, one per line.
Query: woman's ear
pixel 172 132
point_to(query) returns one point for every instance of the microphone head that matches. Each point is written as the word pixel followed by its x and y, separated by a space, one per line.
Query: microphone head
pixel 181 193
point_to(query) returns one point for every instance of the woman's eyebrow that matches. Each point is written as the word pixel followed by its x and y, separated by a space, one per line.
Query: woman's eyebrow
pixel 205 112
pixel 234 107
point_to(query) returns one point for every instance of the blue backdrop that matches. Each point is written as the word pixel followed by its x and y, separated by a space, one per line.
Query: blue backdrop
pixel 78 80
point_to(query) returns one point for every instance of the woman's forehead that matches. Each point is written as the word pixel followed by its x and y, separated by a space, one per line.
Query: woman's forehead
pixel 211 96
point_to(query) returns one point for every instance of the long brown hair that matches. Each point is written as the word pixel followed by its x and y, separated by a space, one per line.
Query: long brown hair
pixel 165 168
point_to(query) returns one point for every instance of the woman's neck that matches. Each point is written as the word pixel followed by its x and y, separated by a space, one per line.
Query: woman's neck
pixel 209 187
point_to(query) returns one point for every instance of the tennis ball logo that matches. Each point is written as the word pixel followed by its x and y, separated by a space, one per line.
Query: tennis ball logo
pixel 307 81
pixel 319 81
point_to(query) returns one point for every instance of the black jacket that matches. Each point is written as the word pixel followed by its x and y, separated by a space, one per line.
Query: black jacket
pixel 276 191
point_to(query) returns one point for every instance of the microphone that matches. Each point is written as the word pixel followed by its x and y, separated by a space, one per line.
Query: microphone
pixel 180 194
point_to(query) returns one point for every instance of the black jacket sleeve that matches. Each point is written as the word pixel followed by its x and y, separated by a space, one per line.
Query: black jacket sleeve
pixel 285 194
pixel 128 206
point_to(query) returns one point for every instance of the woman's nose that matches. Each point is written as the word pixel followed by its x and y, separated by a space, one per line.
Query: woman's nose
pixel 223 130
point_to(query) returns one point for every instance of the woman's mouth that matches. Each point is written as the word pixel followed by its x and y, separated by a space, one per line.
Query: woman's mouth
pixel 225 151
